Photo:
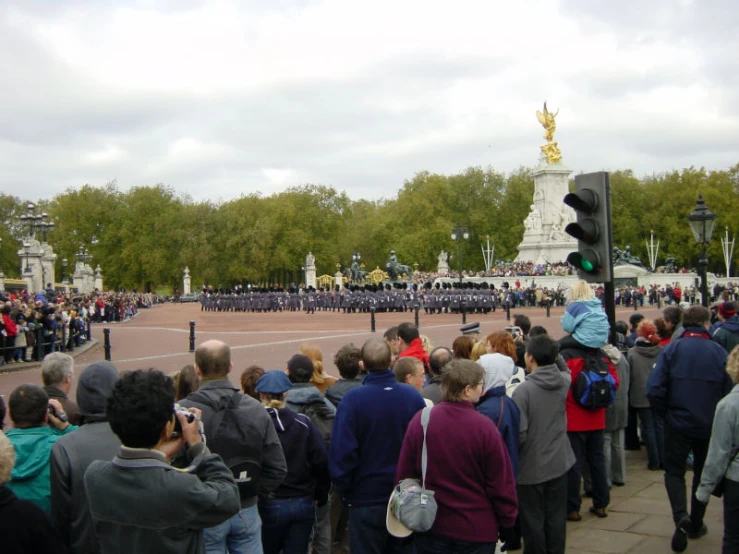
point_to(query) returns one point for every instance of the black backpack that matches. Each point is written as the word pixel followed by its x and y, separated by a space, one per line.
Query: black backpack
pixel 594 387
pixel 322 419
pixel 230 434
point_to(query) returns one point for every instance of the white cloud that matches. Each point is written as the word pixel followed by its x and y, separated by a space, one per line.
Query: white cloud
pixel 224 98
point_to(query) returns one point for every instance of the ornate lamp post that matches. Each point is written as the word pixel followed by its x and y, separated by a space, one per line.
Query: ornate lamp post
pixel 65 279
pixel 45 227
pixel 701 221
pixel 459 233
pixel 27 250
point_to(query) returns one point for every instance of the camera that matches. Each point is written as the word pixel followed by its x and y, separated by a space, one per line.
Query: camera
pixel 515 332
pixel 61 417
pixel 177 425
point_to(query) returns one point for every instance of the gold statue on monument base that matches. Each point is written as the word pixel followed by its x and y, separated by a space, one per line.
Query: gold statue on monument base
pixel 550 149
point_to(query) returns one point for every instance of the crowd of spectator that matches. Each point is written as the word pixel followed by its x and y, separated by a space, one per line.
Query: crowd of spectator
pixel 35 325
pixel 500 433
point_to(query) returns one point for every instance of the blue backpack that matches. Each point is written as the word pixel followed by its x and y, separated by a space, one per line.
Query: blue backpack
pixel 594 387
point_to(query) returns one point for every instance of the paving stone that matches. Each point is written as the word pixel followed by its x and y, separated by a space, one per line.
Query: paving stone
pixel 616 521
pixel 655 491
pixel 596 541
pixel 661 545
pixel 661 526
pixel 642 506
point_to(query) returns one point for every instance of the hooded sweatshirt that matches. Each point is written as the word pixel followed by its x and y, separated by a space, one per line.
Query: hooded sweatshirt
pixel 304 393
pixel 586 321
pixel 641 358
pixel 617 414
pixel 73 454
pixel 415 350
pixel 30 477
pixel 728 334
pixel 544 449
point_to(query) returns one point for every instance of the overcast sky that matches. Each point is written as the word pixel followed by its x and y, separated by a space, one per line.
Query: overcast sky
pixel 223 98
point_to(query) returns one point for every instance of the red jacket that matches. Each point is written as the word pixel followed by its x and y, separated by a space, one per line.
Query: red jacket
pixel 579 418
pixel 10 327
pixel 415 350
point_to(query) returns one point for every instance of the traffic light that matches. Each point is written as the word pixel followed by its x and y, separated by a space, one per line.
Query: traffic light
pixel 592 204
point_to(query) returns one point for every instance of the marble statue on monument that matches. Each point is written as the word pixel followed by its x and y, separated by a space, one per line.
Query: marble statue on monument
pixel 186 281
pixel 443 267
pixel 310 270
pixel 544 238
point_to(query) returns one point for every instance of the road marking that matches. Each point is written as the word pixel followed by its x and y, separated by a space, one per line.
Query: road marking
pixel 256 345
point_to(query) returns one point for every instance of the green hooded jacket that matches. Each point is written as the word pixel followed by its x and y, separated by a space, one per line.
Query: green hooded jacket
pixel 30 477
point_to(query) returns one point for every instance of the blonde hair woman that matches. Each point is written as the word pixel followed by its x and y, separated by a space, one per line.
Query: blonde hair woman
pixel 320 379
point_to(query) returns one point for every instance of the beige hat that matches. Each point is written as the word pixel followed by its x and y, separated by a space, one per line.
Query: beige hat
pixel 394 527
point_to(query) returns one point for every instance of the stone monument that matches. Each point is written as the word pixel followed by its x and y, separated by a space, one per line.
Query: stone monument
pixel 186 281
pixel 37 264
pixel 544 238
pixel 310 270
pixel 443 267
pixel 98 278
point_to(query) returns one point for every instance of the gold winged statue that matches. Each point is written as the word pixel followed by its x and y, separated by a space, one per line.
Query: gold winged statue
pixel 550 149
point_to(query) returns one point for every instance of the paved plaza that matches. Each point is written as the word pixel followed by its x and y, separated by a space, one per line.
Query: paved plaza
pixel 639 518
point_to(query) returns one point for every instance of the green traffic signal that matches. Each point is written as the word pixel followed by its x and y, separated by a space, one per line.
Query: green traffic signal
pixel 592 230
pixel 587 261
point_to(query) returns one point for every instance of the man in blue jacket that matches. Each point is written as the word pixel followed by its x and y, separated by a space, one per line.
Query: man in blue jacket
pixel 365 446
pixel 687 382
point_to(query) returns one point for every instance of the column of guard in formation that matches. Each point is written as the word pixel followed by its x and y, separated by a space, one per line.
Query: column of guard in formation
pixel 399 297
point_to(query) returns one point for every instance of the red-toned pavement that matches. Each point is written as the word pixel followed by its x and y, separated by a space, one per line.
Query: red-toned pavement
pixel 639 519
pixel 159 337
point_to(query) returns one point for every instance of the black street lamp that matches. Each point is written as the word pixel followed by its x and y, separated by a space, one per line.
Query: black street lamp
pixel 701 221
pixel 65 279
pixel 27 250
pixel 46 227
pixel 459 233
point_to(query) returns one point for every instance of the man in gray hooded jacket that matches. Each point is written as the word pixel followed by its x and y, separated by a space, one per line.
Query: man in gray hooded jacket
pixel 304 398
pixel 72 454
pixel 545 454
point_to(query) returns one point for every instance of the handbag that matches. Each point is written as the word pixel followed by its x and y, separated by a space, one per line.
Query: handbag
pixel 718 490
pixel 412 507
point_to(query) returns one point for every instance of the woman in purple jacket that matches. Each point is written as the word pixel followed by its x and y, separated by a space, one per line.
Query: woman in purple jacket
pixel 468 469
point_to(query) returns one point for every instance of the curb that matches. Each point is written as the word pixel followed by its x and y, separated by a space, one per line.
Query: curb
pixel 17 367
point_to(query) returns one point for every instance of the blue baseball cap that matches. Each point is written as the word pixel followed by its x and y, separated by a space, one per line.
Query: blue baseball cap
pixel 273 381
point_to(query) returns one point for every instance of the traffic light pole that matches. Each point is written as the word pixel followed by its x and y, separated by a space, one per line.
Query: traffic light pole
pixel 593 259
pixel 609 290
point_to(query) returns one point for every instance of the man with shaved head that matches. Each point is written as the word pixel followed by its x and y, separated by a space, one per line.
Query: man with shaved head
pixel 368 432
pixel 251 436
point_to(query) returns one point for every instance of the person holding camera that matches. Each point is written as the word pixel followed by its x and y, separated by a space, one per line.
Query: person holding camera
pixel 38 423
pixel 140 502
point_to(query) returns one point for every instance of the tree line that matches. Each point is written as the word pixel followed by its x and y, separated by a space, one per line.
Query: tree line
pixel 145 236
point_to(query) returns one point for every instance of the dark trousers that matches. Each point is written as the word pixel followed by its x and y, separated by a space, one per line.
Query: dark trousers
pixel 731 518
pixel 632 436
pixel 543 510
pixel 677 448
pixel 435 544
pixel 588 447
pixel 649 434
pixel 368 533
pixel 287 524
pixel 8 349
